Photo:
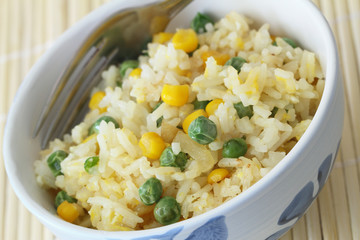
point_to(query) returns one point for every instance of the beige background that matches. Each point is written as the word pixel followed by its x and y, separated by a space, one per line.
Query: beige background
pixel 28 28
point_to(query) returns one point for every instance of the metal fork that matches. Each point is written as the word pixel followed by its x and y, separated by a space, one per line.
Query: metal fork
pixel 121 36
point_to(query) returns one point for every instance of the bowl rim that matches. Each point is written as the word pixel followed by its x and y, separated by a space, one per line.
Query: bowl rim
pixel 254 192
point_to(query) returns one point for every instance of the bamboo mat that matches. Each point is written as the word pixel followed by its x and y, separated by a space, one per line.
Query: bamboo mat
pixel 27 29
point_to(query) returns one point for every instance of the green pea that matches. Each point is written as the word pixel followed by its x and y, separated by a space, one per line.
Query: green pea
pixel 274 111
pixel 90 164
pixel 63 196
pixel 167 211
pixel 199 22
pixel 236 62
pixel 202 130
pixel 125 65
pixel 243 111
pixel 95 126
pixel 150 192
pixel 234 148
pixel 169 159
pixel 159 121
pixel 54 161
pixel 200 104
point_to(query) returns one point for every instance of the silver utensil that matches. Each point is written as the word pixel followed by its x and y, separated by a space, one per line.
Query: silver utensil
pixel 121 36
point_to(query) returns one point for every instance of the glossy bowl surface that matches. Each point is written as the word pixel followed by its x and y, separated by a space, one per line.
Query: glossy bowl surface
pixel 266 210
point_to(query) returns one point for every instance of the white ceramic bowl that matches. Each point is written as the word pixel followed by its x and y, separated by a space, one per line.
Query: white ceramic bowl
pixel 266 210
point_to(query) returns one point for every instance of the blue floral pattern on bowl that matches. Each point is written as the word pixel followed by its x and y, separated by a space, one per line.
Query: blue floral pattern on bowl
pixel 324 170
pixel 298 205
pixel 304 198
pixel 278 234
pixel 214 229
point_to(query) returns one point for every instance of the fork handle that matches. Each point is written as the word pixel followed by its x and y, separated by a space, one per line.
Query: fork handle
pixel 173 7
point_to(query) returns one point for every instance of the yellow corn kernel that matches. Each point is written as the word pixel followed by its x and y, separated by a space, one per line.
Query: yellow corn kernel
pixel 213 106
pixel 217 175
pixel 185 39
pixel 152 145
pixel 162 37
pixel 135 73
pixel 68 211
pixel 220 58
pixel 95 100
pixel 175 95
pixel 191 117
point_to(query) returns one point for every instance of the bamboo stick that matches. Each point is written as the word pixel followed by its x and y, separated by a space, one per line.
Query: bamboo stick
pixel 47 235
pixel 11 203
pixel 287 236
pixel 13 67
pixel 313 222
pixel 351 176
pixel 2 180
pixel 36 229
pixel 77 10
pixel 299 230
pixel 316 2
pixel 328 223
pixel 4 28
pixel 354 15
pixel 340 198
pixel 96 3
pixel 23 223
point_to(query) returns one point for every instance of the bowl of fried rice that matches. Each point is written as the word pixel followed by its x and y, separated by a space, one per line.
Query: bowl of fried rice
pixel 225 127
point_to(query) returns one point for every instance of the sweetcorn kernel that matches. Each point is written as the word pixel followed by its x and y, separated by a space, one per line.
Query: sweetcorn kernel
pixel 185 39
pixel 162 37
pixel 95 100
pixel 220 58
pixel 135 73
pixel 68 211
pixel 213 106
pixel 152 145
pixel 217 175
pixel 175 95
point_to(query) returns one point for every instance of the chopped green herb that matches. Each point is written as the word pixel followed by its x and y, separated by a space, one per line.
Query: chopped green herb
pixel 63 196
pixel 159 121
pixel 243 111
pixel 200 21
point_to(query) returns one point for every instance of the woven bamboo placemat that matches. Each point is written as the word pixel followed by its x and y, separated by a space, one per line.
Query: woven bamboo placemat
pixel 27 29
